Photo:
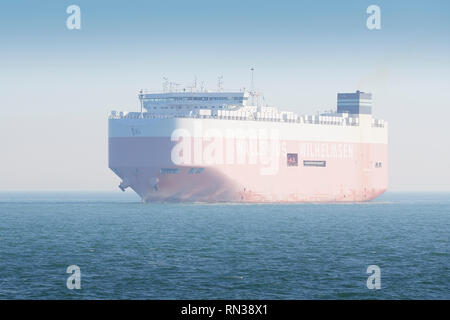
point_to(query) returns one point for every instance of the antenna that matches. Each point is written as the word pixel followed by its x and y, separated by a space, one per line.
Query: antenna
pixel 141 98
pixel 173 86
pixel 165 84
pixel 252 88
pixel 219 83
pixel 193 87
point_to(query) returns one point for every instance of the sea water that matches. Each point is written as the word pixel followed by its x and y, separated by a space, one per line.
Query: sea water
pixel 129 250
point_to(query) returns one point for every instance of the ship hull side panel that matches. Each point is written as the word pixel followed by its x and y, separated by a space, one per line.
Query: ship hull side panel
pixel 325 171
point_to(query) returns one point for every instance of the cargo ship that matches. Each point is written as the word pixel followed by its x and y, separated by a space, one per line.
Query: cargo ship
pixel 202 146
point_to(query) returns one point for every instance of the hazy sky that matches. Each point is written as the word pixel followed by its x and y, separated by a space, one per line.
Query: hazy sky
pixel 58 85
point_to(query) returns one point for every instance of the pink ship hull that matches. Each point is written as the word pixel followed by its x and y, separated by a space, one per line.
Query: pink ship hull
pixel 359 175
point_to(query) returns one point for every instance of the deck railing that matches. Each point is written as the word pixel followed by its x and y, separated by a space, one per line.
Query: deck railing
pixel 300 120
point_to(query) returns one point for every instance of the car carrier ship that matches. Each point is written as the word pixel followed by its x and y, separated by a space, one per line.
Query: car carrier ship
pixel 225 147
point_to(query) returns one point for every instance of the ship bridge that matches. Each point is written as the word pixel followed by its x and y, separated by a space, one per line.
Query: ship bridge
pixel 192 102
